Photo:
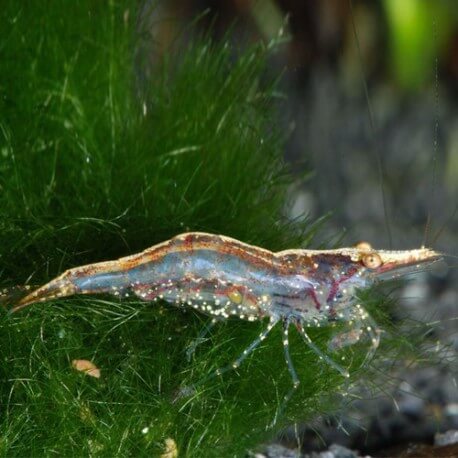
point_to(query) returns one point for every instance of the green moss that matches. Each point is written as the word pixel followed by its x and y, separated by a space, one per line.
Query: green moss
pixel 98 161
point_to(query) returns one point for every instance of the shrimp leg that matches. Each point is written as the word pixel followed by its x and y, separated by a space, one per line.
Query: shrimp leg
pixel 292 371
pixel 273 321
pixel 200 338
pixel 320 353
pixel 362 323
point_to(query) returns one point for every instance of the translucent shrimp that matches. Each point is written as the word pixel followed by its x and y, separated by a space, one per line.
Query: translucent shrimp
pixel 222 277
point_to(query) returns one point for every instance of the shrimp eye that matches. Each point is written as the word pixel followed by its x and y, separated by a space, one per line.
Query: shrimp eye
pixel 372 260
pixel 363 246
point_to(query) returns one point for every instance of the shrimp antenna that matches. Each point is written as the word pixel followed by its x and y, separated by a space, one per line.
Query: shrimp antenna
pixel 375 145
pixel 435 143
pixel 448 221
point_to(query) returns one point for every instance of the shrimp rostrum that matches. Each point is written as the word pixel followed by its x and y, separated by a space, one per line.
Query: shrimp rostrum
pixel 222 277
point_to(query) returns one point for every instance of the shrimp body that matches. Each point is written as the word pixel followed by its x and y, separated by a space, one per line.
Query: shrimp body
pixel 223 277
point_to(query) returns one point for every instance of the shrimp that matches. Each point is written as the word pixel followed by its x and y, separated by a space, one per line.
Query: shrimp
pixel 223 277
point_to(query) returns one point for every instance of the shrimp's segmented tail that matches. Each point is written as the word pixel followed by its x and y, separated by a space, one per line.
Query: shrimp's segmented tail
pixel 59 287
pixel 13 294
pixel 91 279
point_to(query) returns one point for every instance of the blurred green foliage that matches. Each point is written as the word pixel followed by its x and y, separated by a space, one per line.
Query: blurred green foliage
pixel 418 34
